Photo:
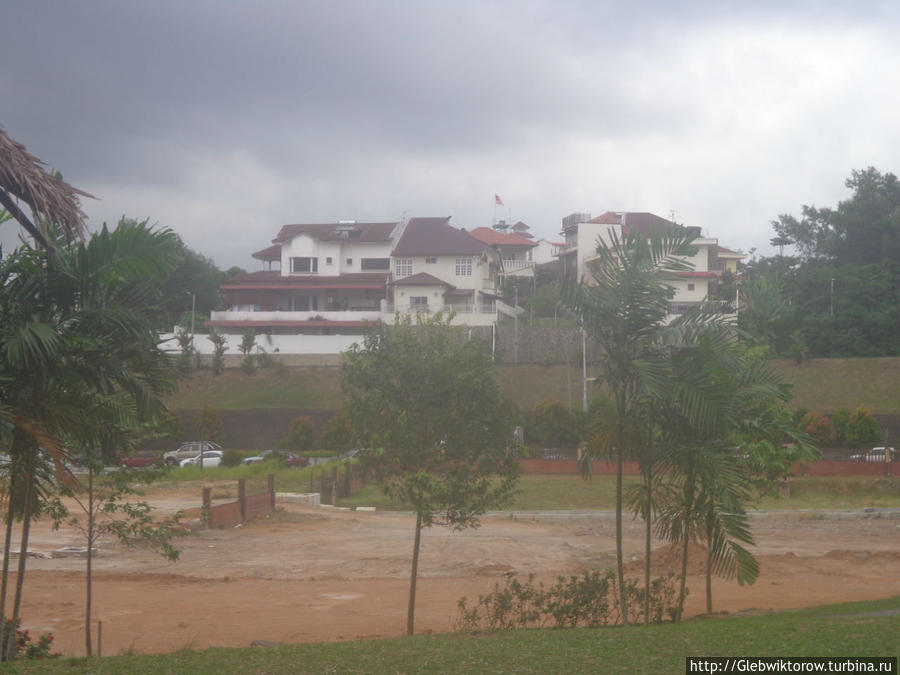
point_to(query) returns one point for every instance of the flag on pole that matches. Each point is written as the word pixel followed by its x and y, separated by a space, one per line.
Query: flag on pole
pixel 497 200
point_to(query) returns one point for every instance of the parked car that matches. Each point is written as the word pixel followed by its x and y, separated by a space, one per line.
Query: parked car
pixel 875 455
pixel 140 459
pixel 211 458
pixel 189 449
pixel 290 458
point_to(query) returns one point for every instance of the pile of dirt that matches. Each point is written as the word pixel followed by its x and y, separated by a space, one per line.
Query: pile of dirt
pixel 667 559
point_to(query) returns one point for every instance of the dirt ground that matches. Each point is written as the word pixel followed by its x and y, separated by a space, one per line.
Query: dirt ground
pixel 316 574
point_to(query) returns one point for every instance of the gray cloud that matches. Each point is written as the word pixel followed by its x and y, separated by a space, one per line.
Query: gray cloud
pixel 225 120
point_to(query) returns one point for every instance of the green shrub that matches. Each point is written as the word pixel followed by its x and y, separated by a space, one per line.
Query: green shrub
pixel 338 433
pixel 862 429
pixel 590 600
pixel 24 648
pixel 232 458
pixel 551 425
pixel 841 421
pixel 819 427
pixel 302 436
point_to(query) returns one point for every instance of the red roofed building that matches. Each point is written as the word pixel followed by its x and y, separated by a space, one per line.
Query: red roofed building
pixel 514 250
pixel 335 279
pixel 583 234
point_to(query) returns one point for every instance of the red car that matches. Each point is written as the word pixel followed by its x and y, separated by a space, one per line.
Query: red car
pixel 140 459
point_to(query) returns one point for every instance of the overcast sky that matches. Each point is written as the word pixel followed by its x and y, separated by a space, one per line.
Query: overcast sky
pixel 226 120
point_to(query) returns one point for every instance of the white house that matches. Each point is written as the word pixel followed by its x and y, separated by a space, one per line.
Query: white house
pixel 583 233
pixel 335 279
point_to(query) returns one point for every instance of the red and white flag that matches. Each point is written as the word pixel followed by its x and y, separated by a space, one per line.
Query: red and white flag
pixel 497 200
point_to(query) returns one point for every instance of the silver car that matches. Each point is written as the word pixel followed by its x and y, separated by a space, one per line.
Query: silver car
pixel 189 449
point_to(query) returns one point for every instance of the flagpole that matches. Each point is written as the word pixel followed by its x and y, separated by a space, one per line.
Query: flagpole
pixel 494 223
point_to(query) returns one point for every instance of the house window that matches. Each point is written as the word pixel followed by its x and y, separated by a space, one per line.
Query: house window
pixel 375 264
pixel 430 261
pixel 328 260
pixel 690 287
pixel 349 262
pixel 304 264
pixel 403 267
pixel 418 302
pixel 463 267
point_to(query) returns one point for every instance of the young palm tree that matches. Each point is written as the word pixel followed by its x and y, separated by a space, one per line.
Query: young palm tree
pixel 78 324
pixel 624 309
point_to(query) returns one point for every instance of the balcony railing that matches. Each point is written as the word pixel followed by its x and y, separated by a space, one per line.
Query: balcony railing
pixel 517 266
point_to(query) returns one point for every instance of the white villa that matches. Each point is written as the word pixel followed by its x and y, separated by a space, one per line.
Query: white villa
pixel 582 234
pixel 334 279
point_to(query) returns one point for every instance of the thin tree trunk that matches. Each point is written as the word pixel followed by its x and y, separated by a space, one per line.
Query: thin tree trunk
pixel 620 565
pixel 709 560
pixel 686 534
pixel 411 611
pixel 26 531
pixel 90 543
pixel 17 452
pixel 648 533
pixel 4 585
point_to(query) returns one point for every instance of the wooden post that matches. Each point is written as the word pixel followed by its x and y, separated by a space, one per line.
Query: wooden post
pixel 242 494
pixel 207 506
pixel 348 479
pixel 334 485
pixel 322 483
pixel 271 483
pixel 99 639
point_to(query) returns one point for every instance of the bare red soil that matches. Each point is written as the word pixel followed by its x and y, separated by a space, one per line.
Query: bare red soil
pixel 311 574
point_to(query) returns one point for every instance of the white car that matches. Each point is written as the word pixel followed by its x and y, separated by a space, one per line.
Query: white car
pixel 211 458
pixel 875 455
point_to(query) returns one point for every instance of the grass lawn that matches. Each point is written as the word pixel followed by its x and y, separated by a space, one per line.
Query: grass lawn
pixel 854 629
pixel 547 493
pixel 824 385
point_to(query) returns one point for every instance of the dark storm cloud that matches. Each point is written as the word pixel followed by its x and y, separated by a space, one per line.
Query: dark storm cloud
pixel 225 119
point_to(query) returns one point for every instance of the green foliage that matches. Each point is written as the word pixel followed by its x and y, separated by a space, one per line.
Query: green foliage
pixel 862 429
pixel 550 425
pixel 841 422
pixel 424 402
pixel 23 646
pixel 843 283
pixel 232 458
pixel 192 283
pixel 209 425
pixel 819 427
pixel 220 346
pixel 589 600
pixel 301 437
pixel 338 433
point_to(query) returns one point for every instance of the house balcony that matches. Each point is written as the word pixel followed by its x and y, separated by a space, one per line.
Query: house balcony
pixel 275 318
pixel 518 267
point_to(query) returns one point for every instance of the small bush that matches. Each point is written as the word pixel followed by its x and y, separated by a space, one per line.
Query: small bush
pixel 819 427
pixel 862 429
pixel 590 600
pixel 232 458
pixel 302 436
pixel 24 648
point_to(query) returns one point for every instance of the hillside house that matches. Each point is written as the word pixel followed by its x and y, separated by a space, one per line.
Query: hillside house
pixel 582 234
pixel 335 279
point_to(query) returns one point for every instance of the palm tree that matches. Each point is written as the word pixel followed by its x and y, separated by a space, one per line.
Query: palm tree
pixel 708 398
pixel 624 309
pixel 22 177
pixel 79 327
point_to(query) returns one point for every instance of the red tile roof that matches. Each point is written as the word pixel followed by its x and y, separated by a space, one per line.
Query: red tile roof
pixel 492 237
pixel 420 279
pixel 368 232
pixel 721 250
pixel 271 253
pixel 435 236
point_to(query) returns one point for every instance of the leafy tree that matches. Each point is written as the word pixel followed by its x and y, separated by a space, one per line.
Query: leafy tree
pixel 302 436
pixel 220 345
pixel 77 332
pixel 819 427
pixel 192 285
pixel 106 510
pixel 209 425
pixel 426 407
pixel 624 310
pixel 550 424
pixel 338 433
pixel 862 429
pixel 840 421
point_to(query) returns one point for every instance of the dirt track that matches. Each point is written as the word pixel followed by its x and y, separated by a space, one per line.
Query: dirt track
pixel 312 574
